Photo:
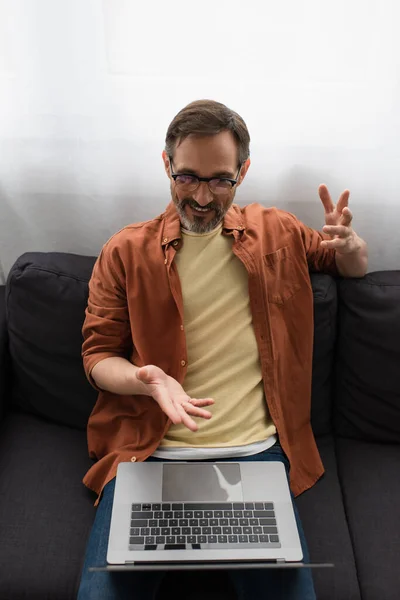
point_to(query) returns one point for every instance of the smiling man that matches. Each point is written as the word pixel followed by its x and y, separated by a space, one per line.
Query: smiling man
pixel 198 336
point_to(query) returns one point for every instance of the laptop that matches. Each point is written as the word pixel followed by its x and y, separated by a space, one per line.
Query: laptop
pixel 182 514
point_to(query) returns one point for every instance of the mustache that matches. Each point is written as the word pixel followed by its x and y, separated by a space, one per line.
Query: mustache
pixel 193 204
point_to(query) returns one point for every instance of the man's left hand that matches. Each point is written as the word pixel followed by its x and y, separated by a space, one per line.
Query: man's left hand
pixel 338 223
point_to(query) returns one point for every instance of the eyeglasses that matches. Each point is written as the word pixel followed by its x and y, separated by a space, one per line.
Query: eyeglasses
pixel 216 185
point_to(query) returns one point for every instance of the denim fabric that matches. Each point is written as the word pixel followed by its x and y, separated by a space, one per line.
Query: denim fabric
pixel 285 584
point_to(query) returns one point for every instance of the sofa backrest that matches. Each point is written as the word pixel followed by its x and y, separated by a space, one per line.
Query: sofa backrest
pixel 367 402
pixel 46 299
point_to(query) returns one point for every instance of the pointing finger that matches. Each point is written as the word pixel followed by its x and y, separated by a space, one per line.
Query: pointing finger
pixel 326 198
pixel 343 201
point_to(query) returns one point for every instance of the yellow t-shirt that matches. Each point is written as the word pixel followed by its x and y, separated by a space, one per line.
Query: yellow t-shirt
pixel 222 352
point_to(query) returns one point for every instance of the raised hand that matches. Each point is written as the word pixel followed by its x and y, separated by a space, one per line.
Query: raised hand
pixel 172 398
pixel 338 220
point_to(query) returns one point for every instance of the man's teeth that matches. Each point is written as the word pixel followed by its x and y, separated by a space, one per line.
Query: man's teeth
pixel 202 209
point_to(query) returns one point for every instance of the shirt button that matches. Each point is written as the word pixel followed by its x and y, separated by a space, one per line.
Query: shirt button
pixel 133 459
pixel 183 363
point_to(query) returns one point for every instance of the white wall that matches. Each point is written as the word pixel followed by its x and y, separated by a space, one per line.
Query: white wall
pixel 88 88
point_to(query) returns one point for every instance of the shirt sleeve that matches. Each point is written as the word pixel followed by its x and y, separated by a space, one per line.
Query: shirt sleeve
pixel 319 259
pixel 106 329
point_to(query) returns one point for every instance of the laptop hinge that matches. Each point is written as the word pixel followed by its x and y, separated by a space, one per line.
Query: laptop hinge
pixel 280 561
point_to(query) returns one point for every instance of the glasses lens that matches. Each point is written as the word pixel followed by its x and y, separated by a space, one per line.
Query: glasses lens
pixel 187 182
pixel 220 186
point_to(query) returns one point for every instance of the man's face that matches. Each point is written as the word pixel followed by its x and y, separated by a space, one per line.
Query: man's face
pixel 216 156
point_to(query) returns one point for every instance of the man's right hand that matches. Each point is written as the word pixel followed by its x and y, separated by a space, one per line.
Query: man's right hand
pixel 172 398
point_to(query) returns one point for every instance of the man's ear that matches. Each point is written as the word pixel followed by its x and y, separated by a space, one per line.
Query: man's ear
pixel 166 163
pixel 243 171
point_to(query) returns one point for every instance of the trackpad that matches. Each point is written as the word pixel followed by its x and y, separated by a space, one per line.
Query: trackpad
pixel 200 482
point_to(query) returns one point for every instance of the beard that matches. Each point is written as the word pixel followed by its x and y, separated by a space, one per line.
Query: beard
pixel 198 224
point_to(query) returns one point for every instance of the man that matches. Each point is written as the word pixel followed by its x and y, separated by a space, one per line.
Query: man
pixel 198 336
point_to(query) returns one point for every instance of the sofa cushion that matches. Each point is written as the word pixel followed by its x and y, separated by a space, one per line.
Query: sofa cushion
pixel 324 522
pixel 325 311
pixel 367 404
pixel 45 511
pixel 369 473
pixel 46 300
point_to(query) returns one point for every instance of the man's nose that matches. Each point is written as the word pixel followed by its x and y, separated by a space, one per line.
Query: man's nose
pixel 203 195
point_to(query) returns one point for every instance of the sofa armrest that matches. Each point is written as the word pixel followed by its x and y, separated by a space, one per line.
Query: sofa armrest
pixel 4 353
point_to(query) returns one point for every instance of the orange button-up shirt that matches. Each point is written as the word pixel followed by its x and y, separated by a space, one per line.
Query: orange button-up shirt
pixel 135 310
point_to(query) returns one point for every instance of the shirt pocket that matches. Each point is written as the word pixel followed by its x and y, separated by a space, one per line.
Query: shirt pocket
pixel 282 276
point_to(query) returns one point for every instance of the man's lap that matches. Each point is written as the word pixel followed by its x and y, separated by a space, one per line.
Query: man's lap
pixel 289 584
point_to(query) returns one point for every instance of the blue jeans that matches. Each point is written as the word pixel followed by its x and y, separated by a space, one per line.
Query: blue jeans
pixel 250 584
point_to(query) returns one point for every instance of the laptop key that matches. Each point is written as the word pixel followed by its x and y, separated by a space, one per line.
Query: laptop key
pixel 160 539
pixel 196 530
pixel 175 547
pixel 178 515
pixel 206 530
pixel 165 507
pixel 188 514
pixel 218 513
pixel 193 522
pixel 249 505
pixel 141 515
pixel 267 521
pixel 263 514
pixel 135 531
pixel 238 506
pixel 257 529
pixel 173 522
pixel 145 531
pixel 232 539
pixel 180 539
pixel 176 531
pixel 237 513
pixel 243 539
pixel 268 506
pixel 139 523
pixel 274 538
pixel 213 522
pixel 248 513
pixel 224 521
pixel 234 522
pixel 163 523
pixel 263 538
pixel 186 530
pixel 177 507
pixel 136 507
pixel 136 539
pixel 212 539
pixel 183 523
pixel 170 539
pixel 158 514
pixel 146 507
pixel 208 514
pixel 156 507
pixel 153 522
pixel 254 522
pixel 270 530
pixel 228 514
pixel 237 530
pixel 198 514
pixel 155 531
pixel 165 530
pixel 209 506
pixel 227 530
pixel 201 539
pixel 217 530
pixel 150 539
pixel 243 522
pixel 191 539
pixel 203 522
pixel 168 514
pixel 222 539
pixel 253 539
pixel 259 505
pixel 247 529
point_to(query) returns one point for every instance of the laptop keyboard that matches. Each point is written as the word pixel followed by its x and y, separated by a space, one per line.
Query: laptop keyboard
pixel 203 526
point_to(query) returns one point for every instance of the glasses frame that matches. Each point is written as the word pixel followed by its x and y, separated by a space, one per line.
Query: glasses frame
pixel 233 182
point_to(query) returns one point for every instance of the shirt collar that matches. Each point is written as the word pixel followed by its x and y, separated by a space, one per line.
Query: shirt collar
pixel 172 225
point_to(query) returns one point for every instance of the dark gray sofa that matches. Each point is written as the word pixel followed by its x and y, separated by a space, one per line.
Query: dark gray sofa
pixel 351 516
